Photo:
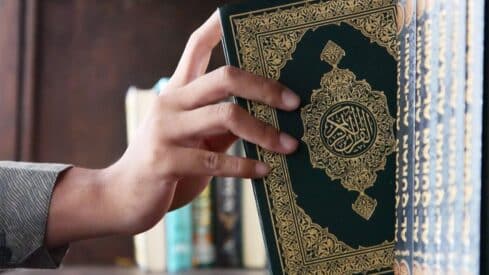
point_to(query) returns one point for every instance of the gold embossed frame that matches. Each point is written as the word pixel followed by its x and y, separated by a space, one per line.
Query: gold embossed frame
pixel 266 40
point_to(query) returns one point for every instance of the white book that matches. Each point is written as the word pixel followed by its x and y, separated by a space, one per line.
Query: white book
pixel 254 253
pixel 149 246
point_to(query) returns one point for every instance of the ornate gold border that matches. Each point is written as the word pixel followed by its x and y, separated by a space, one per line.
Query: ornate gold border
pixel 267 38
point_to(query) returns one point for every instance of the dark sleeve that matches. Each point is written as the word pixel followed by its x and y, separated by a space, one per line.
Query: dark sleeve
pixel 25 196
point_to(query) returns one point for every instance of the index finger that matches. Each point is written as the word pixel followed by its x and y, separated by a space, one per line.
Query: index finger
pixel 197 53
pixel 231 81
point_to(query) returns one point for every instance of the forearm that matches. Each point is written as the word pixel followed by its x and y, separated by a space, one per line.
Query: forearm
pixel 79 207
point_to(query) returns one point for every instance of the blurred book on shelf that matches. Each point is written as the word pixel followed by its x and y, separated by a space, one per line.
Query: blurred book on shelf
pixel 179 239
pixel 254 254
pixel 227 207
pixel 149 246
pixel 203 239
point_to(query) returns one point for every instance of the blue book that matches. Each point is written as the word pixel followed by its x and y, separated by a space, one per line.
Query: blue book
pixel 178 225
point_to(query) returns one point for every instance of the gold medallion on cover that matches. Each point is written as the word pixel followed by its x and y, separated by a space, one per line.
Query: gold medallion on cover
pixel 348 130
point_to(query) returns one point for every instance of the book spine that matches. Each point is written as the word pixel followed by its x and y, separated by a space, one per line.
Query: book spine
pixel 405 140
pixel 155 248
pixel 429 76
pixel 254 253
pixel 179 239
pixel 227 198
pixel 473 139
pixel 204 252
pixel 439 205
pixel 479 23
pixel 424 77
pixel 419 126
pixel 454 185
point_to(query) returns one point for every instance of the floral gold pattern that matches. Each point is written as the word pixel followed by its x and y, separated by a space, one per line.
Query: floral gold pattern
pixel 257 35
pixel 332 53
pixel 348 130
pixel 265 41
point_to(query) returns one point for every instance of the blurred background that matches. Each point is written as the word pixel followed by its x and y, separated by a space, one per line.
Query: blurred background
pixel 65 67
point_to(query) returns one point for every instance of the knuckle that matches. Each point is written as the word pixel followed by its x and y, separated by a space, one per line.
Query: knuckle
pixel 228 73
pixel 236 166
pixel 227 112
pixel 212 161
pixel 269 135
pixel 195 38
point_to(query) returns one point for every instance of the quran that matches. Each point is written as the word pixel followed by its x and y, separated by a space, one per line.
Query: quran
pixel 391 174
pixel 329 208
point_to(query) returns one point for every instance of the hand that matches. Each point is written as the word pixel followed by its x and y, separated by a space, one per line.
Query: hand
pixel 181 143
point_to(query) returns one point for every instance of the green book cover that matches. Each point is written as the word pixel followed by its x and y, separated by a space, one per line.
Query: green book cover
pixel 329 208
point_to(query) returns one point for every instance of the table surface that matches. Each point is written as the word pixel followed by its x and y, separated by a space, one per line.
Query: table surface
pixel 126 271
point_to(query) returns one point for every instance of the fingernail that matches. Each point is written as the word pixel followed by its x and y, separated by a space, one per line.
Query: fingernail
pixel 262 169
pixel 288 142
pixel 290 99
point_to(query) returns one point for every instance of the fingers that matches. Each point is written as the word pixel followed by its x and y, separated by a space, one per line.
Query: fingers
pixel 225 81
pixel 197 53
pixel 227 117
pixel 188 162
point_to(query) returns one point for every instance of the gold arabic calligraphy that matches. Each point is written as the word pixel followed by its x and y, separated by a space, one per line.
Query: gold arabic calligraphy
pixel 348 130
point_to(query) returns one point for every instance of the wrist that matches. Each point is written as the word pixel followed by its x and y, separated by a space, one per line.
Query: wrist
pixel 79 207
pixel 114 182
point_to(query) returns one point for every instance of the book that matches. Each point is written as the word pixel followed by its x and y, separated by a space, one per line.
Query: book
pixel 178 225
pixel 203 239
pixel 407 187
pixel 448 127
pixel 474 15
pixel 254 253
pixel 427 86
pixel 454 187
pixel 149 247
pixel 422 121
pixel 473 260
pixel 330 206
pixel 227 220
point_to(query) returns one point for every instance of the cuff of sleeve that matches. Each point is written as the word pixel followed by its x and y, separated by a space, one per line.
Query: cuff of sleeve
pixel 26 191
pixel 44 258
